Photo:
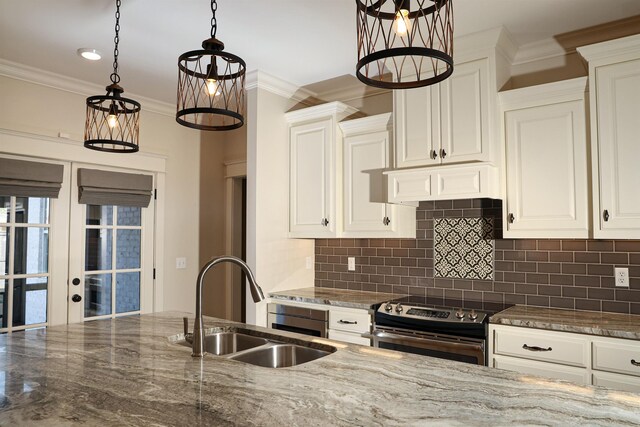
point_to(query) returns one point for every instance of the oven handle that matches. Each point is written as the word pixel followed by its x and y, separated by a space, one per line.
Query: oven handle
pixel 467 348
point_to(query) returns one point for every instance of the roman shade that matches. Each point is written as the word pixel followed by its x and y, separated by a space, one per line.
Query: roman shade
pixel 98 187
pixel 29 179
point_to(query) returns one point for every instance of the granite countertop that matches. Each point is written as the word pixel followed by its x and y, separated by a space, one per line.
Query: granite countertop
pixel 337 297
pixel 580 322
pixel 127 372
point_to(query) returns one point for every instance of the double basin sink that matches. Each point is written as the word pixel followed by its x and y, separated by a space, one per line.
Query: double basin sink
pixel 266 352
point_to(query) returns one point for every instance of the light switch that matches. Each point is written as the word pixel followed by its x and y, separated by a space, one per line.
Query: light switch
pixel 308 263
pixel 351 263
pixel 181 263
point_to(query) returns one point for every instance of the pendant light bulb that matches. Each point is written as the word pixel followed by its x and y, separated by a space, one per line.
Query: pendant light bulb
pixel 213 88
pixel 402 24
pixel 112 118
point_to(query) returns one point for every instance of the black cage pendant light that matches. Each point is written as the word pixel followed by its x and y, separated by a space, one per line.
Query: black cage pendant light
pixel 211 85
pixel 113 122
pixel 404 44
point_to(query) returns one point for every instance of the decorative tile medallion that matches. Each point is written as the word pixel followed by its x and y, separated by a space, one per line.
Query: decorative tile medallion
pixel 463 248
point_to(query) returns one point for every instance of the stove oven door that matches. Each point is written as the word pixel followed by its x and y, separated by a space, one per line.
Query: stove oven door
pixel 469 350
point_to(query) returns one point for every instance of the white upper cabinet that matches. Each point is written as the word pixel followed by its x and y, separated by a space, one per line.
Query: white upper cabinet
pixel 367 152
pixel 614 73
pixel 546 161
pixel 464 114
pixel 453 124
pixel 315 144
pixel 445 123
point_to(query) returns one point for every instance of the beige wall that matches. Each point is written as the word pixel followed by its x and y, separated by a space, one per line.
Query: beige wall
pixel 278 262
pixel 216 149
pixel 44 110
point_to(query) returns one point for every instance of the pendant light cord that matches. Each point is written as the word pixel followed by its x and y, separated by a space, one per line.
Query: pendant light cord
pixel 115 78
pixel 214 22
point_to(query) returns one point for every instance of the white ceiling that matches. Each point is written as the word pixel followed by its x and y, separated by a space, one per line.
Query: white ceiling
pixel 300 41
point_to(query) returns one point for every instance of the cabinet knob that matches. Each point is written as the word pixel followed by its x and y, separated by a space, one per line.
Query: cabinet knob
pixel 386 221
pixel 434 154
pixel 324 222
pixel 512 218
pixel 443 153
pixel 605 215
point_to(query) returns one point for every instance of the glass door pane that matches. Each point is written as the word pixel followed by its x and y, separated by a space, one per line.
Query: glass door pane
pixel 111 265
pixel 24 262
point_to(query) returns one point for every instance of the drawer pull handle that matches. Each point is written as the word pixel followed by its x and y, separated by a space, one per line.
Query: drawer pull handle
pixel 634 363
pixel 348 322
pixel 536 348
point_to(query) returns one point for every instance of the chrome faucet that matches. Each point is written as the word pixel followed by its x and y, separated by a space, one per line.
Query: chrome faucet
pixel 256 293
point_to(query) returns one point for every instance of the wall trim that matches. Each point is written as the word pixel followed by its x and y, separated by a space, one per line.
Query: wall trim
pixel 262 80
pixel 41 77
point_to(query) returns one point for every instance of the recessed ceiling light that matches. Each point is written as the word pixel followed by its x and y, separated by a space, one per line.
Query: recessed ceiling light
pixel 90 54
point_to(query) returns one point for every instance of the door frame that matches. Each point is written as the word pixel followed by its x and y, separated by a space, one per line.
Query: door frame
pixel 234 172
pixel 24 144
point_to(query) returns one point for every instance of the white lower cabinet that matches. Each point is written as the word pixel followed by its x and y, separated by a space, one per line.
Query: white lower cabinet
pixel 543 369
pixel 581 359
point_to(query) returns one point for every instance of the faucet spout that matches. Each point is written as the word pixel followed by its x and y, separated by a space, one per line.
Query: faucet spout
pixel 256 294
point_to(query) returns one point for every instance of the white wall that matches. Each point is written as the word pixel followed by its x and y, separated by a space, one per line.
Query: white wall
pixel 43 110
pixel 278 262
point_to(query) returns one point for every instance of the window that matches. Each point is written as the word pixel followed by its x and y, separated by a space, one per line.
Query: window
pixel 24 262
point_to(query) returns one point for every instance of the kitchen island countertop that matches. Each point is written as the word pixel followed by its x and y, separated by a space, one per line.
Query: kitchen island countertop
pixel 127 372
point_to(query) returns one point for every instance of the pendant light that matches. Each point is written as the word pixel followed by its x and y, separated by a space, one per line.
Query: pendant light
pixel 112 122
pixel 211 85
pixel 404 44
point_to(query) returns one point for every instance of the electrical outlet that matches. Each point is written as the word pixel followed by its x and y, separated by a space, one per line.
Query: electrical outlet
pixel 308 263
pixel 181 263
pixel 351 263
pixel 622 277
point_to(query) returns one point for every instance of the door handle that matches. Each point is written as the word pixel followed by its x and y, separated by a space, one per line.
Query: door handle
pixel 76 298
pixel 324 222
pixel 386 220
pixel 76 281
pixel 605 215
pixel 512 218
pixel 434 154
pixel 443 153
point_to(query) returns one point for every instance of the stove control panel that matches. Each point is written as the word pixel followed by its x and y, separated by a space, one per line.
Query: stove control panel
pixel 456 315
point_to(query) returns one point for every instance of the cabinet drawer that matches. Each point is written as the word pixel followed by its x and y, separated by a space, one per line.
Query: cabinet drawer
pixel 350 337
pixel 555 347
pixel 543 369
pixel 617 381
pixel 622 357
pixel 349 320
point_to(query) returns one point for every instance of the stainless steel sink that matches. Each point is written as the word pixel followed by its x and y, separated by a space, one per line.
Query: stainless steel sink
pixel 222 343
pixel 280 355
pixel 268 352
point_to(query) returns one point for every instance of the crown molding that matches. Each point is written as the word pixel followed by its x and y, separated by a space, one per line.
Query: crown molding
pixel 562 91
pixel 335 109
pixel 41 77
pixel 377 123
pixel 262 80
pixel 605 51
pixel 351 92
pixel 538 51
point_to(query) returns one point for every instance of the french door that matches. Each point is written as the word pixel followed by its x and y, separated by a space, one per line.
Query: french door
pixel 111 253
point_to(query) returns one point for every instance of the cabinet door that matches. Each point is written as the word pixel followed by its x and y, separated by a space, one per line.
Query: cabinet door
pixel 618 150
pixel 464 109
pixel 547 171
pixel 365 156
pixel 310 213
pixel 417 126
